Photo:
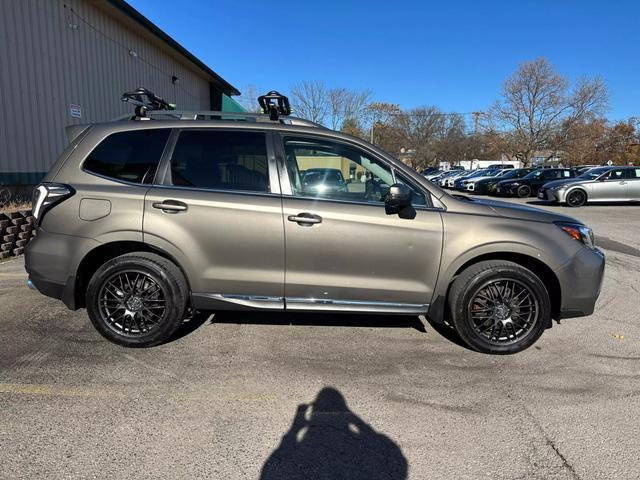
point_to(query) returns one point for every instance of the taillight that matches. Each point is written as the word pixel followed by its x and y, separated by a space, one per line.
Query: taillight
pixel 46 195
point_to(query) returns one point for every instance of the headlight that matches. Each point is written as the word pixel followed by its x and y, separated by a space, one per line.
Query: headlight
pixel 559 187
pixel 580 233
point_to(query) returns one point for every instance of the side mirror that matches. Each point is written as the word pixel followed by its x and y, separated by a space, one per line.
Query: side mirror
pixel 399 197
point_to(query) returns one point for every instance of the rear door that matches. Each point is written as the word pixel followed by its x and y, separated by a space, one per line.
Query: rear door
pixel 217 211
pixel 633 190
pixel 343 251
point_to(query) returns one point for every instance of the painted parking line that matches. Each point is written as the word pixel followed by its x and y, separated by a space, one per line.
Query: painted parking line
pixel 41 390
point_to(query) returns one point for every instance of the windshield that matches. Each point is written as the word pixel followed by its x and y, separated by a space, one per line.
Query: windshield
pixel 322 176
pixel 534 174
pixel 594 173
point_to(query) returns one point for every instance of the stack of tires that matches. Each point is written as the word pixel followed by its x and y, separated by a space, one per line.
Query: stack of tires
pixel 16 229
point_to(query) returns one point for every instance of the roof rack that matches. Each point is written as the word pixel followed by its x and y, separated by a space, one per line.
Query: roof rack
pixel 220 116
pixel 152 102
pixel 275 104
pixel 149 106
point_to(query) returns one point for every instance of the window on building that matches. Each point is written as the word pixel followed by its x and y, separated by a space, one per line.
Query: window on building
pixel 221 160
pixel 131 156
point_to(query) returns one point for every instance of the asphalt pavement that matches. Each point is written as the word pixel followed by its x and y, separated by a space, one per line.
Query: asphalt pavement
pixel 275 396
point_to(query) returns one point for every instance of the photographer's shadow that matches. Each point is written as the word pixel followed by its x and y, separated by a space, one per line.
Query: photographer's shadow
pixel 327 440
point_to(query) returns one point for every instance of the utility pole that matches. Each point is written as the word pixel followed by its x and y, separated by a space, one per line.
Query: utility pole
pixel 476 122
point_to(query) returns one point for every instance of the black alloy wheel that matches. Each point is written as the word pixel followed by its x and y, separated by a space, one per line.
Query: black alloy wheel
pixel 138 299
pixel 503 311
pixel 132 302
pixel 499 307
pixel 576 198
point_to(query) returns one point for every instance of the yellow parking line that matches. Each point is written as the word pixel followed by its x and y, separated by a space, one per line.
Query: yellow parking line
pixel 82 392
pixel 49 390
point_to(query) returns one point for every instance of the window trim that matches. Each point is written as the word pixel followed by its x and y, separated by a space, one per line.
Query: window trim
pixel 285 182
pixel 163 173
pixel 120 180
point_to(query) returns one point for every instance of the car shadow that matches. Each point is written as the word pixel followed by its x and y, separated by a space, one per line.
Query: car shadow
pixel 318 319
pixel 327 440
pixel 321 319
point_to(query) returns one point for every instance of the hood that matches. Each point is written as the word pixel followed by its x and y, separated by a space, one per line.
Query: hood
pixel 565 181
pixel 512 210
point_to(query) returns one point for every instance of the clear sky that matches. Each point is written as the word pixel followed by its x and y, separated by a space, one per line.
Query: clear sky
pixel 452 54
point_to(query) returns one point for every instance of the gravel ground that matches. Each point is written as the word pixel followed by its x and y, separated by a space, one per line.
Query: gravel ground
pixel 323 396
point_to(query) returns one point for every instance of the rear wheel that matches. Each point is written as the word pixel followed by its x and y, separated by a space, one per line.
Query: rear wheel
pixel 576 198
pixel 523 191
pixel 137 300
pixel 499 307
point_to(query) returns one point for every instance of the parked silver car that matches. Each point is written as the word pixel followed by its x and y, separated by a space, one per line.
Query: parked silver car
pixel 144 222
pixel 600 184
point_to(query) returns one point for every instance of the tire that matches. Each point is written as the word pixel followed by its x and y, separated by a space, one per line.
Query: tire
pixel 577 198
pixel 495 330
pixel 523 191
pixel 137 300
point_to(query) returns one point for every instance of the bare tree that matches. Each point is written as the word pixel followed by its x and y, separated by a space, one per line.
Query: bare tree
pixel 422 128
pixel 346 104
pixel 249 98
pixel 309 100
pixel 380 116
pixel 536 105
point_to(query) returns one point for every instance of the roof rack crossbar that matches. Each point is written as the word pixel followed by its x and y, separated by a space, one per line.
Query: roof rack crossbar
pixel 195 115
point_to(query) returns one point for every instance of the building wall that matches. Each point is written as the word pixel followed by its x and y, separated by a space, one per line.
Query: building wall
pixel 54 53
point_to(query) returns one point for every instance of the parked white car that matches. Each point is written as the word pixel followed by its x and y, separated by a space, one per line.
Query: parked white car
pixel 471 183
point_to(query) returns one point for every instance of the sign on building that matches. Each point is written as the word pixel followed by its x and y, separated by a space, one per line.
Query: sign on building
pixel 75 110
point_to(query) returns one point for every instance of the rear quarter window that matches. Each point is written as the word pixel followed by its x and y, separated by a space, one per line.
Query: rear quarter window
pixel 131 156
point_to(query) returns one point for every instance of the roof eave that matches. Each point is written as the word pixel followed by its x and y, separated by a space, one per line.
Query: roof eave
pixel 132 13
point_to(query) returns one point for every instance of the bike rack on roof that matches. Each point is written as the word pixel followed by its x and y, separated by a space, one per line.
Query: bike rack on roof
pixel 274 106
pixel 145 101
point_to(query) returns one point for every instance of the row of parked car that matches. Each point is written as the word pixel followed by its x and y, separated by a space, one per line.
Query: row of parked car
pixel 573 186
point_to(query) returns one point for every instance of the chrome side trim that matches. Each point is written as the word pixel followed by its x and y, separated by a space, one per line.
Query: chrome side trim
pixel 301 303
pixel 252 301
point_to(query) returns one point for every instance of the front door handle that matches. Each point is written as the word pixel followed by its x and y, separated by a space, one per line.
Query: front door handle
pixel 170 206
pixel 305 218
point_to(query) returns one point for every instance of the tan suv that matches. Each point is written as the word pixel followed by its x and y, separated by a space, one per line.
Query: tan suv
pixel 142 221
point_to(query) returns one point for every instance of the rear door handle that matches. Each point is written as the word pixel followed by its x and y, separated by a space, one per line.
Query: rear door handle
pixel 170 206
pixel 305 218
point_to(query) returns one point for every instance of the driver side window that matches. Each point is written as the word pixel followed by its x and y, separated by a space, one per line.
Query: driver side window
pixel 324 169
pixel 614 175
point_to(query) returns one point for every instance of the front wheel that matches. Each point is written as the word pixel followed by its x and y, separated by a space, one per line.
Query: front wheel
pixel 576 198
pixel 499 307
pixel 137 300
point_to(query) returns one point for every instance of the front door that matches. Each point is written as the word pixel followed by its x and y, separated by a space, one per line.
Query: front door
pixel 218 212
pixel 343 251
